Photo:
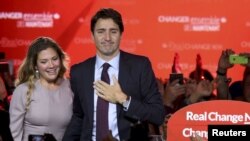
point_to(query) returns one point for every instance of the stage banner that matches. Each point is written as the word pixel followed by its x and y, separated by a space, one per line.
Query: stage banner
pixel 210 120
pixel 156 29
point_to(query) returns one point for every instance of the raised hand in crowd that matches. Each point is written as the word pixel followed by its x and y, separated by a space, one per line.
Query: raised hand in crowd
pixel 198 92
pixel 172 91
pixel 197 138
pixel 221 78
pixel 224 63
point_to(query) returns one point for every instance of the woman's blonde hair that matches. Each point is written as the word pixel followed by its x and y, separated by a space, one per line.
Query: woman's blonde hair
pixel 27 70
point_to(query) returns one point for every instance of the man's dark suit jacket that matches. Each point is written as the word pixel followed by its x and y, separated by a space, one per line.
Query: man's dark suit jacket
pixel 136 78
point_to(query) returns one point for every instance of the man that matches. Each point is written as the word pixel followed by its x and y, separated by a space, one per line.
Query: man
pixel 132 94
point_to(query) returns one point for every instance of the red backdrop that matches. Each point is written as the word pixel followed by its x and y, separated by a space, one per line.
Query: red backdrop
pixel 156 29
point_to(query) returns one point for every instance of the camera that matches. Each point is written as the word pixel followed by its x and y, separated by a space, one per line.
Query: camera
pixel 45 137
pixel 36 138
pixel 174 76
pixel 236 59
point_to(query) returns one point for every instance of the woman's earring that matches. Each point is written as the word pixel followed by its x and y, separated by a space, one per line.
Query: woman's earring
pixel 37 75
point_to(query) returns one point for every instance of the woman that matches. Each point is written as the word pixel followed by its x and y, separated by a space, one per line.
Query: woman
pixel 42 100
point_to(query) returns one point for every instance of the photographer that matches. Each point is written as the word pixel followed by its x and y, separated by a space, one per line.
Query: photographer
pixel 226 63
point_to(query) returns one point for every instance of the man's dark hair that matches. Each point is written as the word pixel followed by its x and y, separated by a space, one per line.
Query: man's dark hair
pixel 107 13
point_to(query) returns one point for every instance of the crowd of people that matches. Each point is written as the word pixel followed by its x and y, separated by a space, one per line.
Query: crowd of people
pixel 114 91
pixel 201 87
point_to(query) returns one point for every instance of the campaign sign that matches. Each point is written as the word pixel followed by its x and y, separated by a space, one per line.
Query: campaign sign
pixel 211 120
